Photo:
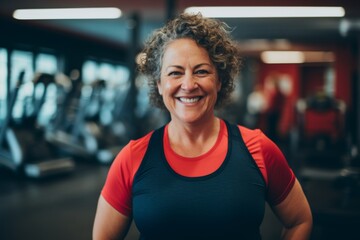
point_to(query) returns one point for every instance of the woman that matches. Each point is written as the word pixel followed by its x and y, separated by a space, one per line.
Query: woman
pixel 198 177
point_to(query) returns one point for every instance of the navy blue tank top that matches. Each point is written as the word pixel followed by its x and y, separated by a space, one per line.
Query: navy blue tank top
pixel 226 204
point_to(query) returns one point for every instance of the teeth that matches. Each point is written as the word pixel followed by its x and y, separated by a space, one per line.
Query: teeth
pixel 189 100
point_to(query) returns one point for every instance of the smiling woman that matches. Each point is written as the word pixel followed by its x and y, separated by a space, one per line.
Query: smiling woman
pixel 220 48
pixel 199 176
pixel 189 82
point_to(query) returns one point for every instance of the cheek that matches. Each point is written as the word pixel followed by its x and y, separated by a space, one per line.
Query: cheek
pixel 166 87
pixel 163 86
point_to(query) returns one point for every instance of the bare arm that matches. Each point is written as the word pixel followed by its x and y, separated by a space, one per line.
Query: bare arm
pixel 109 223
pixel 295 214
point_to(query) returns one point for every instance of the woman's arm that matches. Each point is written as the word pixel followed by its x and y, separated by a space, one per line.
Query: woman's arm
pixel 295 214
pixel 109 223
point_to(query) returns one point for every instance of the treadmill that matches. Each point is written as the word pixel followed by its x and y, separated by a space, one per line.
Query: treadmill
pixel 80 132
pixel 23 147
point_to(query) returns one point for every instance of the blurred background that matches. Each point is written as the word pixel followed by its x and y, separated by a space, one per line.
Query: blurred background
pixel 70 98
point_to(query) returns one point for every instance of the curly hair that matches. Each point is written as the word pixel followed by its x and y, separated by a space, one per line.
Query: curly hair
pixel 211 34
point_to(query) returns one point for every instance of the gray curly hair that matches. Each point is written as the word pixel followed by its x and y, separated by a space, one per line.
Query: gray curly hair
pixel 211 34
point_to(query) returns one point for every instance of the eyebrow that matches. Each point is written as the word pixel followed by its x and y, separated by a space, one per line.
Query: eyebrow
pixel 196 66
pixel 174 66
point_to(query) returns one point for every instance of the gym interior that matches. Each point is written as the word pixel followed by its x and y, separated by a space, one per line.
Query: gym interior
pixel 71 98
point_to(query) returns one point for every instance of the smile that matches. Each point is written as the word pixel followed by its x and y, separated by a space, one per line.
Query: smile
pixel 189 100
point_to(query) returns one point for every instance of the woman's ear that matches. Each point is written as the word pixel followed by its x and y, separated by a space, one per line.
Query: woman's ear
pixel 218 87
pixel 159 87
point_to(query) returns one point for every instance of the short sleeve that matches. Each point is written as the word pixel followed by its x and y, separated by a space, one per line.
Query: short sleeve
pixel 117 187
pixel 117 190
pixel 281 178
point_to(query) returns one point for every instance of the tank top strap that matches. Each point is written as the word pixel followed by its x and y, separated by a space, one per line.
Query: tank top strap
pixel 235 135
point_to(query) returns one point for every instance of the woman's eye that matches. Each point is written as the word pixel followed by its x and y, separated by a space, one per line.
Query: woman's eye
pixel 202 72
pixel 174 73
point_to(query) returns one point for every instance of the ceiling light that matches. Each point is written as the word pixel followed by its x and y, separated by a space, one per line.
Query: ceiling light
pixel 67 13
pixel 272 57
pixel 267 12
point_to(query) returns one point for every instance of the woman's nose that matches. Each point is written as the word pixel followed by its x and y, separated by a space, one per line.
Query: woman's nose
pixel 189 82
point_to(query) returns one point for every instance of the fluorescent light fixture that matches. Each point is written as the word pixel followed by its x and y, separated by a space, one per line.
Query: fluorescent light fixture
pixel 277 57
pixel 267 12
pixel 273 57
pixel 67 13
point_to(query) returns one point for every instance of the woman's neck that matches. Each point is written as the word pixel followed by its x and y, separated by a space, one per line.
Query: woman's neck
pixel 193 139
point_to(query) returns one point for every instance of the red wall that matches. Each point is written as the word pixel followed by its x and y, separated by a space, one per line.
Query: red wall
pixel 292 71
pixel 314 76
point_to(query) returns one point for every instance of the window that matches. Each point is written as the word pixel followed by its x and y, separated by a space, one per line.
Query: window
pixel 21 61
pixel 114 74
pixel 122 75
pixel 46 63
pixel 117 80
pixel 106 72
pixel 89 72
pixel 3 82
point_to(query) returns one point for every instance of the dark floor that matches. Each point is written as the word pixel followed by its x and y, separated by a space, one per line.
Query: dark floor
pixel 64 208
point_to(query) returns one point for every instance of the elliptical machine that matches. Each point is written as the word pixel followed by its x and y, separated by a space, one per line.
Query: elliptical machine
pixel 23 147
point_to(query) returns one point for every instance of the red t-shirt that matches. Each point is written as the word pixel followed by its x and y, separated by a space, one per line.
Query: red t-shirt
pixel 278 176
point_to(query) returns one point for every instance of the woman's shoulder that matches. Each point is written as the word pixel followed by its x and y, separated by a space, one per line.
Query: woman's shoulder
pixel 140 143
pixel 136 148
pixel 130 157
pixel 256 137
pixel 250 135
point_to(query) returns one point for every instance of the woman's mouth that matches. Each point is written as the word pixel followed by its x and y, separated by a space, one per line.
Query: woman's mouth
pixel 189 100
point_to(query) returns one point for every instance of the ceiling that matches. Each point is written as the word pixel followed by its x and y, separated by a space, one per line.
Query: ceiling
pixel 153 13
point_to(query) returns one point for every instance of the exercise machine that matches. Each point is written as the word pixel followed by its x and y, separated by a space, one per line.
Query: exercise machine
pixel 23 147
pixel 80 131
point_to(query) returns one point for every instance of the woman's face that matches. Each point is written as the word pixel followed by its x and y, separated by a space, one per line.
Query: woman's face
pixel 189 82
